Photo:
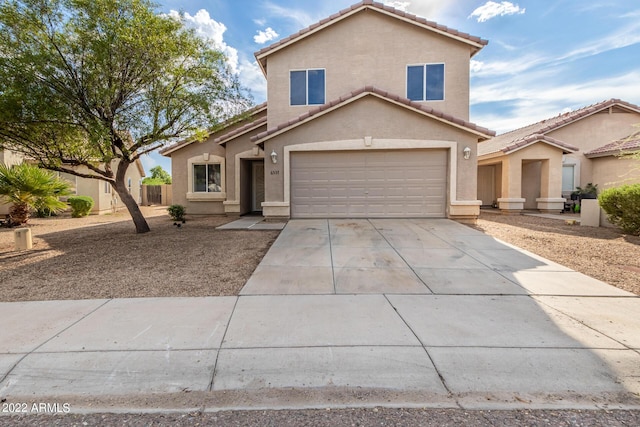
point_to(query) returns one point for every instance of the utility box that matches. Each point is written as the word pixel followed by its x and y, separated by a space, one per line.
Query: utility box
pixel 22 238
pixel 590 212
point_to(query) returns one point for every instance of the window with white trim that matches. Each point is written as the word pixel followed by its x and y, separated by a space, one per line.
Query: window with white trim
pixel 207 178
pixel 425 82
pixel 568 183
pixel 307 87
pixel 107 187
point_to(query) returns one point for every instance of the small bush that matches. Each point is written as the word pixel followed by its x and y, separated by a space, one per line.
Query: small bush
pixel 80 206
pixel 622 205
pixel 177 212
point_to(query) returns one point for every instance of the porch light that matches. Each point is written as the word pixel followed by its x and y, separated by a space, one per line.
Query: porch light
pixel 274 157
pixel 467 153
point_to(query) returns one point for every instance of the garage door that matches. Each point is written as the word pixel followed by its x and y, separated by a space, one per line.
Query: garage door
pixel 406 183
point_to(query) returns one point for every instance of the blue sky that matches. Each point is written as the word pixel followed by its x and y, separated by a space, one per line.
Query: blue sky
pixel 544 57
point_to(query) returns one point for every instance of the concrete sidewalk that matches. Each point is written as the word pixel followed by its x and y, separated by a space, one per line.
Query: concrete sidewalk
pixel 425 313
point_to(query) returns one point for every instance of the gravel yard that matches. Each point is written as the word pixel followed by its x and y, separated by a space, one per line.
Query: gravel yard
pixel 100 256
pixel 603 253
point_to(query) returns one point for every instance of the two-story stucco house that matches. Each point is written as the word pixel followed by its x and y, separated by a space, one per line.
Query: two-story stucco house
pixel 366 116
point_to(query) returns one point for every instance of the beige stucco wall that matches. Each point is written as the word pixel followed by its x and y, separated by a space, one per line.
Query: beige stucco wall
pixel 593 132
pixel 7 158
pixel 511 179
pixel 180 176
pixel 376 118
pixel 613 171
pixel 369 49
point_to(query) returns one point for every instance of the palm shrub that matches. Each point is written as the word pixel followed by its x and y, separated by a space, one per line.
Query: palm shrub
pixel 622 205
pixel 28 187
pixel 80 206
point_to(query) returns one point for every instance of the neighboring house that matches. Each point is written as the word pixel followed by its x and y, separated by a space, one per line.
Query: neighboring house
pixel 7 158
pixel 104 197
pixel 366 116
pixel 538 166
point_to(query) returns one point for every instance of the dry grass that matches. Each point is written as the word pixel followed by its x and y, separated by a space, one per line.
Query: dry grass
pixel 604 253
pixel 102 257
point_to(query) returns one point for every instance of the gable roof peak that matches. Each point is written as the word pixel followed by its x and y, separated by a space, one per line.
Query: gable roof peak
pixel 313 113
pixel 476 43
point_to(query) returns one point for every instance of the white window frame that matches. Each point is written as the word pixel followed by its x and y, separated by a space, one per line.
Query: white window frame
pixel 424 91
pixel 206 159
pixel 306 70
pixel 107 187
pixel 572 161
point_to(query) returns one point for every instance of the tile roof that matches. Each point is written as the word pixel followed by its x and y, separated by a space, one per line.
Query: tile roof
pixel 371 90
pixel 532 139
pixel 233 121
pixel 500 142
pixel 630 143
pixel 222 139
pixel 370 4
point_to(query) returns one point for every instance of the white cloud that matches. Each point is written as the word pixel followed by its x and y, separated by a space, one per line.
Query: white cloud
pixel 509 66
pixel 211 30
pixel 534 98
pixel 260 22
pixel 492 9
pixel 626 36
pixel 252 78
pixel 400 5
pixel 264 36
pixel 300 17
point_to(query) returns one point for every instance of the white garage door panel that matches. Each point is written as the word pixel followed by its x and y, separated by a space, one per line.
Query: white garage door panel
pixel 402 183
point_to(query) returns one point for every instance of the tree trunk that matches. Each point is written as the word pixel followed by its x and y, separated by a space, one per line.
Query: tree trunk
pixel 134 210
pixel 19 213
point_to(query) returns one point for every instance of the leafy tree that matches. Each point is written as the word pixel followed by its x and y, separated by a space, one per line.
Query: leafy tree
pixel 89 86
pixel 158 176
pixel 28 188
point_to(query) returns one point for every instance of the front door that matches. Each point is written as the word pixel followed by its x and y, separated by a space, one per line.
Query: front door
pixel 257 186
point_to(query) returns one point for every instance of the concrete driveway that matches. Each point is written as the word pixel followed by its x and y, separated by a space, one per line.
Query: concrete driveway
pixel 425 313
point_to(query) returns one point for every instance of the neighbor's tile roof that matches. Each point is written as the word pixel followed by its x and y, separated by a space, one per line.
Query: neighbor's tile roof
pixel 532 139
pixel 500 142
pixel 630 143
pixel 185 142
pixel 371 90
pixel 370 4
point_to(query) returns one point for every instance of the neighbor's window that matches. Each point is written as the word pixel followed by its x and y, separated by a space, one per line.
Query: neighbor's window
pixel 568 178
pixel 307 87
pixel 107 187
pixel 207 178
pixel 425 82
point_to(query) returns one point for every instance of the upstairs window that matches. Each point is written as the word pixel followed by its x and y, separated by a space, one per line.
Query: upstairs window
pixel 306 87
pixel 425 82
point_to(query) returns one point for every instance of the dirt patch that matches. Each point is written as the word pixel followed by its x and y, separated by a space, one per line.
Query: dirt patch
pixel 603 253
pixel 103 257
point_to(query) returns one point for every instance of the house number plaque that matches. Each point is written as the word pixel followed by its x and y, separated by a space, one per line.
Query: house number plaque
pixel 276 172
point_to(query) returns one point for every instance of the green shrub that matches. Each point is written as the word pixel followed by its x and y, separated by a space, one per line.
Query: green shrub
pixel 177 212
pixel 622 205
pixel 45 212
pixel 80 206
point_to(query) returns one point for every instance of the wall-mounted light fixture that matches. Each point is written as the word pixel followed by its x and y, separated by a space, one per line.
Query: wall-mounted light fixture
pixel 467 153
pixel 274 157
